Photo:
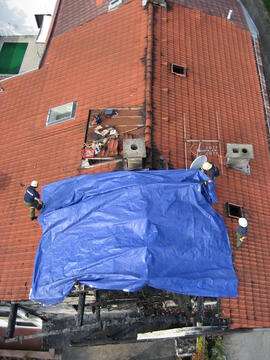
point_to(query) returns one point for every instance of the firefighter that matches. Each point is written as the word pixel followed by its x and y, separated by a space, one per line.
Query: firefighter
pixel 211 170
pixel 241 232
pixel 32 199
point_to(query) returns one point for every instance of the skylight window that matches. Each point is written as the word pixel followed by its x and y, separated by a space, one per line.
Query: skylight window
pixel 114 4
pixel 61 113
pixel 179 70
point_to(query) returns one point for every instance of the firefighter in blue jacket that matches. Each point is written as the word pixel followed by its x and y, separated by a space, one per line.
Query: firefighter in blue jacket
pixel 241 232
pixel 32 199
pixel 210 170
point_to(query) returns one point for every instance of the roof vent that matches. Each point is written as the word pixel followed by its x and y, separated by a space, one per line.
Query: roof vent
pixel 234 211
pixel 134 152
pixel 238 157
pixel 179 70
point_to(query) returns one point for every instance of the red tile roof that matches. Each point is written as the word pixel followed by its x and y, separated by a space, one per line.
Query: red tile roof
pixel 100 65
pixel 105 63
pixel 219 8
pixel 221 77
pixel 74 13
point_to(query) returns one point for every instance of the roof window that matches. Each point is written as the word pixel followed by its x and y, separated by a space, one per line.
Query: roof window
pixel 178 70
pixel 61 113
pixel 234 211
pixel 114 4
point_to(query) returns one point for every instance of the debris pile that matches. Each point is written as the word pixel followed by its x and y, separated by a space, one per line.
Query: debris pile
pixel 104 135
pixel 106 131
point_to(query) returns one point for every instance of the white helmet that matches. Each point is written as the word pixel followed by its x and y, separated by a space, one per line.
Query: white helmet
pixel 206 166
pixel 243 222
pixel 34 183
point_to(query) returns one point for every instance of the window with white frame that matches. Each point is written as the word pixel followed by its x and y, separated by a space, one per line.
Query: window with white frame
pixel 114 4
pixel 179 70
pixel 62 113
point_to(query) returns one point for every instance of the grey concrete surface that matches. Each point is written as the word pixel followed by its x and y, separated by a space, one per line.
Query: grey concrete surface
pixel 247 345
pixel 261 18
pixel 162 350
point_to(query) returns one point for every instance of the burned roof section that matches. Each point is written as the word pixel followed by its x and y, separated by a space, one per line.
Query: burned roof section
pixel 107 138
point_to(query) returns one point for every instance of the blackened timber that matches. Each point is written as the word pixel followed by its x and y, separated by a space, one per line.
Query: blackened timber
pixel 81 305
pixel 12 320
pixel 87 126
pixel 112 331
pixel 200 310
pixel 50 333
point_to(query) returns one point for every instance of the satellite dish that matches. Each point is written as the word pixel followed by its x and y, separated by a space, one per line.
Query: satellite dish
pixel 198 162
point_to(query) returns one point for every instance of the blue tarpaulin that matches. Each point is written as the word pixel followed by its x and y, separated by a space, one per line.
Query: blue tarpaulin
pixel 125 230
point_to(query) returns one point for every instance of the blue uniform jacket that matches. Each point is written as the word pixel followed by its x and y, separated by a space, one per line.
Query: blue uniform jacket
pixel 31 195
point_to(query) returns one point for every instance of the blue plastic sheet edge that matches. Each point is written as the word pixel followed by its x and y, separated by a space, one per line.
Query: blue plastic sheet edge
pixel 127 230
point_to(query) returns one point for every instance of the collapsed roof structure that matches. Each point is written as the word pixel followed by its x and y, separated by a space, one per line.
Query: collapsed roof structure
pixel 192 73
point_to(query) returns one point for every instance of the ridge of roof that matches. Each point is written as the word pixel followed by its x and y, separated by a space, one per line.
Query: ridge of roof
pixel 76 13
pixel 220 8
pixel 73 14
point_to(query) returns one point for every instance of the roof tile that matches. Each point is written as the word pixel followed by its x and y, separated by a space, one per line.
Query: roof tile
pixel 84 65
pixel 71 13
pixel 221 78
